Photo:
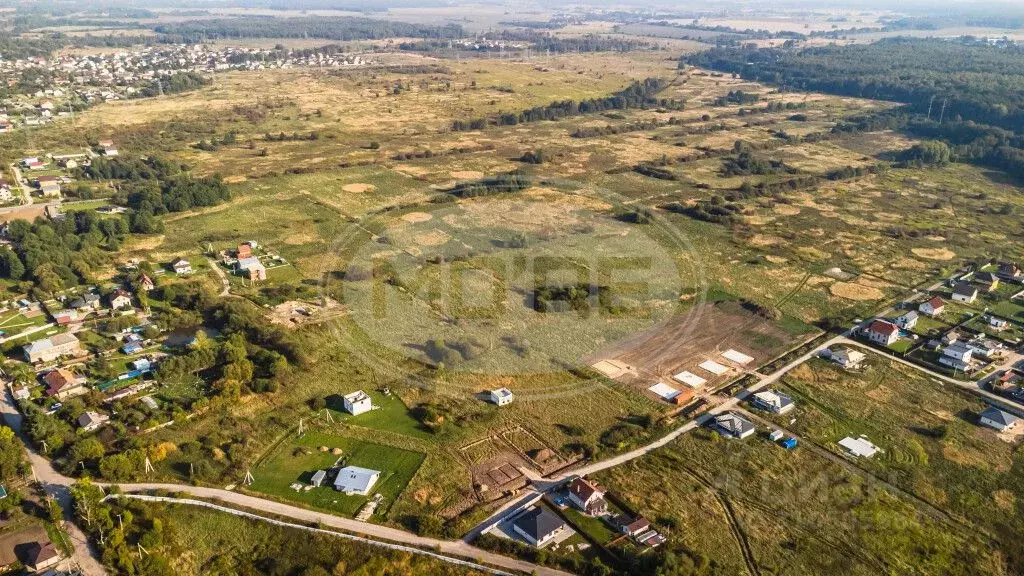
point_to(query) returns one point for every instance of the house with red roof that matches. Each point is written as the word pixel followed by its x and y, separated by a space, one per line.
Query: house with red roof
pixel 882 332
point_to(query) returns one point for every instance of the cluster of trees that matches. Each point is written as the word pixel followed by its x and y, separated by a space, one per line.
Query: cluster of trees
pixel 930 153
pixel 498 184
pixel 746 163
pixel 968 94
pixel 736 97
pixel 293 137
pixel 572 298
pixel 653 170
pixel 636 95
pixel 50 255
pixel 154 186
pixel 341 28
pixel 639 125
pixel 532 157
pixel 538 41
pixel 715 210
pixel 175 83
pixel 428 153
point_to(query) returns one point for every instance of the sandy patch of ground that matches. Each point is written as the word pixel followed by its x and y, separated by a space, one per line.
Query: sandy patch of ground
pixel 852 291
pixel 358 187
pixel 909 264
pixel 146 243
pixel 300 238
pixel 1004 499
pixel 934 253
pixel 879 394
pixel 235 179
pixel 467 175
pixel 416 217
pixel 786 210
pixel 434 238
pixel 776 259
pixel 411 170
pixel 764 240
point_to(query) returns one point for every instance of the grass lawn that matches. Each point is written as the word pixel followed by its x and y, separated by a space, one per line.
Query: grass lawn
pixel 795 511
pixel 14 322
pixel 595 528
pixel 902 345
pixel 389 413
pixel 296 459
pixel 929 327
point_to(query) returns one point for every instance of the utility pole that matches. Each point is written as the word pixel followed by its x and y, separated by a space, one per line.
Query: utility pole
pixel 942 113
pixel 930 102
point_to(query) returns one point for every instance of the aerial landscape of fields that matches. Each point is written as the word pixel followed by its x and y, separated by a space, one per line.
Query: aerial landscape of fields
pixel 510 288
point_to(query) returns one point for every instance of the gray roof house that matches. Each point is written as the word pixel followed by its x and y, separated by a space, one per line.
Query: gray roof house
pixel 997 419
pixel 733 425
pixel 538 526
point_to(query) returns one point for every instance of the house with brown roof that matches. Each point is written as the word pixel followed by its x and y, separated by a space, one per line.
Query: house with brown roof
pixel 63 384
pixel 244 251
pixel 631 526
pixel 1009 271
pixel 932 307
pixel 882 332
pixel 587 496
pixel 41 555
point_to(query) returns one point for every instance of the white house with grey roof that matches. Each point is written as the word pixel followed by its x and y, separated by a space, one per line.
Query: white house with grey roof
pixel 538 526
pixel 357 402
pixel 773 401
pixel 356 480
pixel 732 425
pixel 997 419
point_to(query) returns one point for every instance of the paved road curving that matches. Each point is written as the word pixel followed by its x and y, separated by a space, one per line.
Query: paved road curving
pixel 85 555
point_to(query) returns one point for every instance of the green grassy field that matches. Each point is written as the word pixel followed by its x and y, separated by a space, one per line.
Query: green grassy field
pixel 296 459
pixel 934 447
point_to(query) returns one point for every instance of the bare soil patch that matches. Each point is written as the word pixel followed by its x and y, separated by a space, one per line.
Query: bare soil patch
pixel 358 187
pixel 416 217
pixel 853 291
pixel 934 253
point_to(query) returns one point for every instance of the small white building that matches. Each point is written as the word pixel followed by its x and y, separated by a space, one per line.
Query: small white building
pixel 848 357
pixel 773 401
pixel 501 396
pixel 357 403
pixel 882 332
pixel 859 447
pixel 251 268
pixel 181 266
pixel 355 480
pixel 907 321
pixel 965 292
pixel 318 478
pixel 92 420
pixel 997 419
pixel 957 356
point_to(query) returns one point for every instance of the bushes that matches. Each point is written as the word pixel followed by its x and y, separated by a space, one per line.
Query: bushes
pixel 511 182
pixel 636 95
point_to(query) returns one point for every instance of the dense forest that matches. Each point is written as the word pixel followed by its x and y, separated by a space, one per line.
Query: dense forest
pixel 153 186
pixel 329 27
pixel 965 93
pixel 50 255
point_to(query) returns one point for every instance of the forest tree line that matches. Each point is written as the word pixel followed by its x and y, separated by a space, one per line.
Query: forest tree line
pixel 967 94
